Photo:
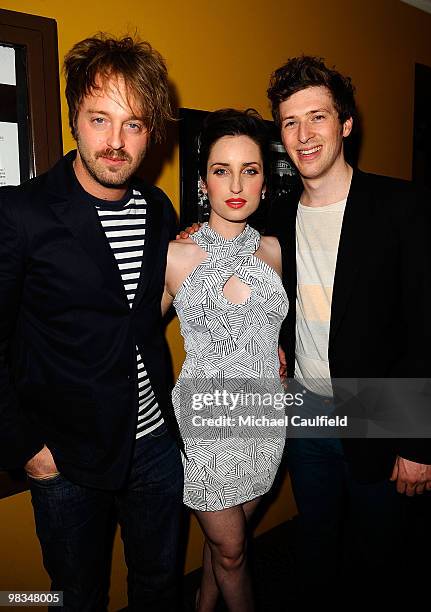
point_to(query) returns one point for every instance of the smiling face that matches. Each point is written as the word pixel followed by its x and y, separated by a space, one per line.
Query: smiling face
pixel 312 133
pixel 234 180
pixel 112 139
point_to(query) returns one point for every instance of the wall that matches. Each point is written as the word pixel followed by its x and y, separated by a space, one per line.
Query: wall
pixel 220 54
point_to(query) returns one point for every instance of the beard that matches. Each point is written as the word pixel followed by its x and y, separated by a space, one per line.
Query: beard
pixel 109 176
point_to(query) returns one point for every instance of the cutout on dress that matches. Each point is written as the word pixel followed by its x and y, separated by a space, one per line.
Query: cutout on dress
pixel 235 291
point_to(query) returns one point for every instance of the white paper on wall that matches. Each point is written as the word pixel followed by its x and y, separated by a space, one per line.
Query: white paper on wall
pixel 7 66
pixel 9 154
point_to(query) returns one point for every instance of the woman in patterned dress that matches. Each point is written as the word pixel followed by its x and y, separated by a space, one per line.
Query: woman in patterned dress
pixel 224 281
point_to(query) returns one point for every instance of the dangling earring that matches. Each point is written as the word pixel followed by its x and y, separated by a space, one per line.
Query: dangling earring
pixel 262 197
pixel 203 204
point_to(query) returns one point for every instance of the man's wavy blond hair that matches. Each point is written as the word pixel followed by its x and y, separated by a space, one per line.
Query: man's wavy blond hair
pixel 92 63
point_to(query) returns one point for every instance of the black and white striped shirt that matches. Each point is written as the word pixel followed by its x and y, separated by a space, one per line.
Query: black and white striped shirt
pixel 124 226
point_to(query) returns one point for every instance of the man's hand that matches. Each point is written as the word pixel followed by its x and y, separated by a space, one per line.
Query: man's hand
pixel 42 465
pixel 283 364
pixel 189 230
pixel 411 477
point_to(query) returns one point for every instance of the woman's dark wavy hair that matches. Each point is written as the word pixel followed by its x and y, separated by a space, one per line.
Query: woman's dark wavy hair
pixel 231 122
pixel 299 73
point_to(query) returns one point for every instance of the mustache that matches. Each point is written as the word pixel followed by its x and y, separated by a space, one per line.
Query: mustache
pixel 121 155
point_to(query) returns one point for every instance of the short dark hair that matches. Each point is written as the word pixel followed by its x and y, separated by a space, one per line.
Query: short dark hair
pixel 142 67
pixel 231 122
pixel 305 71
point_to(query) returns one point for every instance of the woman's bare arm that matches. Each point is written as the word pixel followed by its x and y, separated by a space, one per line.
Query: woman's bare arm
pixel 183 257
pixel 167 300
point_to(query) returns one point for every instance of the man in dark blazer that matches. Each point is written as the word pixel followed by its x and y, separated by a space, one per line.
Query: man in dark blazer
pixel 84 401
pixel 357 269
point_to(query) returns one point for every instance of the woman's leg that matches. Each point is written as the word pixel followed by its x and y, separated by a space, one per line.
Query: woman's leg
pixel 207 595
pixel 224 558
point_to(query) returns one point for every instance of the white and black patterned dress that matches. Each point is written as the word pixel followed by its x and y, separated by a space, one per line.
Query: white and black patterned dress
pixel 231 347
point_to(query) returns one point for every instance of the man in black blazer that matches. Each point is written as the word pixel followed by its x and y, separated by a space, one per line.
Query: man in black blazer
pixel 357 269
pixel 84 401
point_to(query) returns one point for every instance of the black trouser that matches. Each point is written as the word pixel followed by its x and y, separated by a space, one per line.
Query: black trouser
pixel 75 527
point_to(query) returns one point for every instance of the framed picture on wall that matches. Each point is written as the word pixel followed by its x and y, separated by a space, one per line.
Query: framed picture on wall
pixel 30 116
pixel 283 179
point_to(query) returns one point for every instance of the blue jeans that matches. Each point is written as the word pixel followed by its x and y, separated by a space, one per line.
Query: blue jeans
pixel 351 536
pixel 75 525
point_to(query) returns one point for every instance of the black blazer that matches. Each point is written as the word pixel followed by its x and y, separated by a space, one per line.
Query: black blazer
pixel 381 304
pixel 68 379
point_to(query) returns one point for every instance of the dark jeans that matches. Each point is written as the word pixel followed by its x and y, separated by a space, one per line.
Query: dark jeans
pixel 353 539
pixel 75 528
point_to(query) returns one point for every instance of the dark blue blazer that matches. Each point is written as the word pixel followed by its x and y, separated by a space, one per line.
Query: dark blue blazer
pixel 380 323
pixel 67 334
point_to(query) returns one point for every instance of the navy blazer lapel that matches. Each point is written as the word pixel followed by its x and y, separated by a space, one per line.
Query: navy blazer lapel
pixel 290 284
pixel 153 230
pixel 72 208
pixel 289 263
pixel 353 241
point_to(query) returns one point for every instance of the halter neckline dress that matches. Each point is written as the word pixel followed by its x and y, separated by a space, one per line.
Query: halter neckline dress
pixel 232 348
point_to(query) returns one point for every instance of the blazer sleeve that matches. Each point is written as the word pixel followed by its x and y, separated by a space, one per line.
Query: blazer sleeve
pixel 17 441
pixel 415 293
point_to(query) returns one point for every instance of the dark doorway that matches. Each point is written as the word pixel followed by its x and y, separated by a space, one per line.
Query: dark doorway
pixel 421 171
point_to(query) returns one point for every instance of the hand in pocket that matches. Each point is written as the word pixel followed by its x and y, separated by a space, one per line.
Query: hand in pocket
pixel 42 465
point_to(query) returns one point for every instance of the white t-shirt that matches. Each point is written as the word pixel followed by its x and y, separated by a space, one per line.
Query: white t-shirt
pixel 317 238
